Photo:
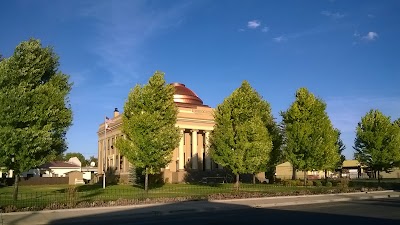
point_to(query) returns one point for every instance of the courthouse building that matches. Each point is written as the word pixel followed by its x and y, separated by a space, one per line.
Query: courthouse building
pixel 195 121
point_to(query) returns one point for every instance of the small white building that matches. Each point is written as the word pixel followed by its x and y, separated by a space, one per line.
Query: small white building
pixel 58 168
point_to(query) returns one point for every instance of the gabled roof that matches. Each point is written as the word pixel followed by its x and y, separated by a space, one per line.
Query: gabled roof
pixel 58 164
pixel 351 163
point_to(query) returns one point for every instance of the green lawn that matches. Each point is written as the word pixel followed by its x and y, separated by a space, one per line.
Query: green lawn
pixel 40 196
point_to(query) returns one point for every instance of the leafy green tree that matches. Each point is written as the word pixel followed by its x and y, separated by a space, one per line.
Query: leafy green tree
pixel 34 108
pixel 340 147
pixel 397 122
pixel 148 123
pixel 91 159
pixel 310 139
pixel 81 158
pixel 276 155
pixel 58 157
pixel 240 140
pixel 332 158
pixel 377 142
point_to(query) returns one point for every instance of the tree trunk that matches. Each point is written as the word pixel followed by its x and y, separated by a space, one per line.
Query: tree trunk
pixel 146 180
pixel 379 178
pixel 237 182
pixel 294 174
pixel 254 179
pixel 15 193
pixel 305 178
pixel 326 175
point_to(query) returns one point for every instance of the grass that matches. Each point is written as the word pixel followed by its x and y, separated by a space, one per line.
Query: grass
pixel 41 196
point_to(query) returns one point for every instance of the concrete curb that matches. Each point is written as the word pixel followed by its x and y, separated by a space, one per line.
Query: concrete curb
pixel 142 206
pixel 87 209
pixel 299 196
pixel 269 205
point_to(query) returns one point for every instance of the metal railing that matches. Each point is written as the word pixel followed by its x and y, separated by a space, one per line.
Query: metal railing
pixel 62 196
pixel 94 195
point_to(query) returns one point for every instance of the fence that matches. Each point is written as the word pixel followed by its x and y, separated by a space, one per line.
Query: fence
pixel 94 195
pixel 60 197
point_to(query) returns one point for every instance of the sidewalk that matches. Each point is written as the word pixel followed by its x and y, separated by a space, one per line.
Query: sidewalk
pixel 78 216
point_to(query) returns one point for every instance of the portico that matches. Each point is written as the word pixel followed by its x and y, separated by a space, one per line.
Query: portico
pixel 195 122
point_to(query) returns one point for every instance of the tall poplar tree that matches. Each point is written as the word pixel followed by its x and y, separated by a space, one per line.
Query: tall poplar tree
pixel 310 139
pixel 148 124
pixel 377 142
pixel 34 108
pixel 240 140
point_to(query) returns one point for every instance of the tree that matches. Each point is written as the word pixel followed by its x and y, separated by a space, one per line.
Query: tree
pixel 334 158
pixel 377 142
pixel 340 147
pixel 81 158
pixel 148 123
pixel 92 159
pixel 276 151
pixel 310 139
pixel 397 122
pixel 240 140
pixel 34 108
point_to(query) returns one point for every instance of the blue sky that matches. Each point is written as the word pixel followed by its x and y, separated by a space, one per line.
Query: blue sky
pixel 345 52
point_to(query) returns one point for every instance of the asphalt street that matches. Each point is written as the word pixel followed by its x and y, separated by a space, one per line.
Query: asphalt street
pixel 363 212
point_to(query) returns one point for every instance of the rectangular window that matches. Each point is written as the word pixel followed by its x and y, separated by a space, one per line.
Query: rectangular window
pixel 121 162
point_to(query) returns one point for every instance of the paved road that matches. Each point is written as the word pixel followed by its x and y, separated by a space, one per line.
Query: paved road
pixel 355 208
pixel 375 211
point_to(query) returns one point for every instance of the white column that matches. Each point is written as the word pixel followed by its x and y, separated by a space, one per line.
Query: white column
pixel 208 159
pixel 200 151
pixel 181 156
pixel 194 150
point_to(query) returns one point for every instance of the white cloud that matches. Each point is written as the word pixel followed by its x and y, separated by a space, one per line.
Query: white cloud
pixel 280 39
pixel 308 32
pixel 371 16
pixel 122 31
pixel 333 15
pixel 253 24
pixel 241 30
pixel 265 29
pixel 370 36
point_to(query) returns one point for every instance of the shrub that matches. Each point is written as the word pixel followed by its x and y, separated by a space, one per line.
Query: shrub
pixel 310 183
pixel 286 182
pixel 299 183
pixel 328 184
pixel 317 183
pixel 343 183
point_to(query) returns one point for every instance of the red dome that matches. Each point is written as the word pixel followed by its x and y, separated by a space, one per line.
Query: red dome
pixel 185 95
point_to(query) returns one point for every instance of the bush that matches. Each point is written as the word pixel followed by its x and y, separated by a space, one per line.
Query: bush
pixel 299 183
pixel 310 183
pixel 285 183
pixel 317 183
pixel 328 184
pixel 343 183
